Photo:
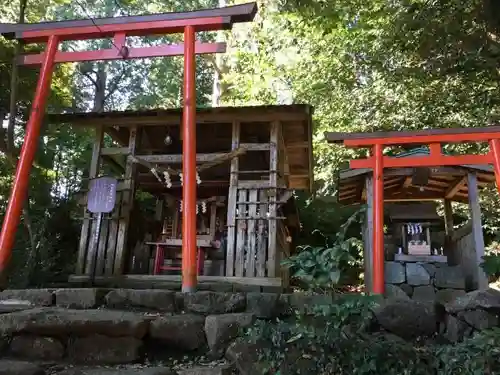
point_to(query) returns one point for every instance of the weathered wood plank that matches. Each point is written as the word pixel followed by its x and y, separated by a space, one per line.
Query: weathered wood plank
pixel 231 203
pixel 239 264
pixel 101 250
pixel 273 183
pixel 84 246
pixel 477 229
pixel 114 151
pixel 112 236
pixel 157 279
pixel 253 196
pixel 127 203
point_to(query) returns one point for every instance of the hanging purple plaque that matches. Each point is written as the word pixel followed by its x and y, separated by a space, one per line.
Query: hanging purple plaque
pixel 102 195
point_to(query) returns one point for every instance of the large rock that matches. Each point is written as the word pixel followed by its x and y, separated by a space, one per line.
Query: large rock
pixel 79 298
pixel 407 319
pixel 455 329
pixel 207 370
pixel 395 292
pixel 118 371
pixel 408 289
pixel 54 321
pixel 9 367
pixel 485 299
pixel 479 319
pixel 214 303
pixel 445 296
pixel 221 329
pixel 180 331
pixel 100 349
pixel 424 293
pixel 417 275
pixel 451 277
pixel 394 273
pixel 37 347
pixel 264 305
pixel 37 297
pixel 161 300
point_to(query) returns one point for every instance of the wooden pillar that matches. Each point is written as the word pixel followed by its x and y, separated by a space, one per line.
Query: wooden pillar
pixel 231 202
pixel 273 183
pixel 127 204
pixel 495 150
pixel 448 217
pixel 477 229
pixel 378 221
pixel 85 236
pixel 368 236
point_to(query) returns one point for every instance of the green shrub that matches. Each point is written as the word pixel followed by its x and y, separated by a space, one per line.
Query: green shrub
pixel 324 267
pixel 337 340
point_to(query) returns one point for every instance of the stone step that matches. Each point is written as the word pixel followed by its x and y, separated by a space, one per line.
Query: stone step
pixel 15 367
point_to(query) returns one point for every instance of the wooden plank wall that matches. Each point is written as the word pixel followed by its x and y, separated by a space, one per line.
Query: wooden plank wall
pixel 111 248
pixel 257 236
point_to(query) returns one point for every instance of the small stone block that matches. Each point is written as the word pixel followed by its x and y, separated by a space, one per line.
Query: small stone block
pixel 37 297
pixel 160 300
pixel 207 370
pixel 417 275
pixel 394 273
pixel 37 347
pixel 10 367
pixel 425 293
pixel 180 331
pixel 79 298
pixel 98 349
pixel 451 277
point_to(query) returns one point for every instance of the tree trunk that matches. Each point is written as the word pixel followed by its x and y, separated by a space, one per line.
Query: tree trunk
pixel 100 88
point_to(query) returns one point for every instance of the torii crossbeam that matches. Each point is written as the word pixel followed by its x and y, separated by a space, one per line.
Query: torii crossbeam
pixel 119 28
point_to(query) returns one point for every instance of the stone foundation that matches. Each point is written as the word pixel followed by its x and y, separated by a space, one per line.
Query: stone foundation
pixel 427 281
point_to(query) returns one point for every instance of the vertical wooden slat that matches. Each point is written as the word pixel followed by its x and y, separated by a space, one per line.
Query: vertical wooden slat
pixel 239 265
pixel 101 250
pixel 273 182
pixel 91 245
pixel 213 219
pixel 253 197
pixel 477 230
pixel 231 202
pixel 85 236
pixel 127 202
pixel 112 235
pixel 261 236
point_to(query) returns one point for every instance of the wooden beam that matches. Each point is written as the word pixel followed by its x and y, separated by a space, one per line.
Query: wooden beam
pixel 293 145
pixel 477 230
pixel 455 187
pixel 158 279
pixel 115 151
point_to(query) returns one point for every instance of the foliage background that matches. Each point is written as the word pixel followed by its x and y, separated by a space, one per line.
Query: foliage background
pixel 363 65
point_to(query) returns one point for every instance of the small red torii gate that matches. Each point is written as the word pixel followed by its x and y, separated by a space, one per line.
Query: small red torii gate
pixel 376 141
pixel 119 28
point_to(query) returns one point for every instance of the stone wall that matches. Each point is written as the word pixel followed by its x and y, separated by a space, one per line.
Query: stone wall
pixel 423 281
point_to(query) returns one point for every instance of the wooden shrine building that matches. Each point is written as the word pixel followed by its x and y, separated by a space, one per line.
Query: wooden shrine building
pixel 249 160
pixel 423 175
pixel 411 196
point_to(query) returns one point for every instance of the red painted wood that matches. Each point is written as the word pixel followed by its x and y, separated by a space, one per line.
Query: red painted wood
pixel 133 53
pixel 378 221
pixel 21 180
pixel 131 29
pixel 424 139
pixel 423 161
pixel 495 151
pixel 189 271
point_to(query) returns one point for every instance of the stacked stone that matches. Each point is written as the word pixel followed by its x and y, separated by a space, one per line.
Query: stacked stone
pixel 424 282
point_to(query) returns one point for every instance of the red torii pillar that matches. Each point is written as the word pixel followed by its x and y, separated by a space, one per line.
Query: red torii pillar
pixel 376 142
pixel 119 28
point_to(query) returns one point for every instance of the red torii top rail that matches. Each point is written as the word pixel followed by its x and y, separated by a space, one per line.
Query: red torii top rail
pixel 119 28
pixel 376 142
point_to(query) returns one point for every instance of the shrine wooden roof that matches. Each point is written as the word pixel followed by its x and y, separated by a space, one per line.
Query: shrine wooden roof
pixel 214 130
pixel 443 182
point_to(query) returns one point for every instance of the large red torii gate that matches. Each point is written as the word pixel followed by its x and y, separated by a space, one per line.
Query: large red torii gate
pixel 376 141
pixel 119 28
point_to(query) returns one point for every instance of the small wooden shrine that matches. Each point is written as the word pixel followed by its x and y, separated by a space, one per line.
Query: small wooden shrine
pixel 414 231
pixel 249 161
